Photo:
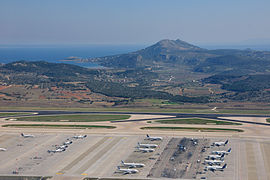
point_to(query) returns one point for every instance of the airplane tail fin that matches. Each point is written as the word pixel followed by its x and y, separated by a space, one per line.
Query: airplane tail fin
pixel 147 135
pixel 22 134
pixel 229 150
pixel 122 162
pixel 226 142
pixel 225 165
pixel 222 155
pixel 118 167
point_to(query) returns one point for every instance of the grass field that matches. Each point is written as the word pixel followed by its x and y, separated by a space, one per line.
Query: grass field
pixel 268 120
pixel 3 114
pixel 196 121
pixel 57 126
pixel 194 129
pixel 75 118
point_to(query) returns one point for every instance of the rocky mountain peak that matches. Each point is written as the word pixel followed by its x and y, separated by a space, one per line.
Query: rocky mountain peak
pixel 175 45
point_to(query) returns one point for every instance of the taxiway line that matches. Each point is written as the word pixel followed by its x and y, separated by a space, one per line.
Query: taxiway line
pixel 251 162
pixel 78 159
pixel 97 156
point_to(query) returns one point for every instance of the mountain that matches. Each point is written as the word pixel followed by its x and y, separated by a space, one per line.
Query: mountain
pixel 163 53
pixel 171 70
pixel 171 46
pixel 179 54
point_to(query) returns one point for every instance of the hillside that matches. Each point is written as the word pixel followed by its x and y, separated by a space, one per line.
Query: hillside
pixel 180 54
pixel 170 72
pixel 182 63
pixel 163 53
pixel 22 80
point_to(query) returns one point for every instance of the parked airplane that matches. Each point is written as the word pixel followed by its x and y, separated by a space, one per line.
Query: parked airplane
pixel 220 143
pixel 153 138
pixel 132 165
pixel 57 150
pixel 67 142
pixel 62 147
pixel 27 135
pixel 80 136
pixel 146 149
pixel 147 145
pixel 215 168
pixel 213 162
pixel 127 171
pixel 215 156
pixel 222 152
pixel 3 149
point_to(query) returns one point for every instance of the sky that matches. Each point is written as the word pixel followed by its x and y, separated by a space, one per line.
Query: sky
pixel 134 21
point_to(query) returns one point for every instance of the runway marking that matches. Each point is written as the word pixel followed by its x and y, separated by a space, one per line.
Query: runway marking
pixel 75 161
pixel 98 155
pixel 59 173
pixel 84 174
pixel 260 166
pixel 251 162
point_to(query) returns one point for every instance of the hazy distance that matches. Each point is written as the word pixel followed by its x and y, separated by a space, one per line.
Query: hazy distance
pixel 206 22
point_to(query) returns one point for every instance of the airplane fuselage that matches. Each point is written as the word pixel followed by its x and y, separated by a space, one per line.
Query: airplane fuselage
pixel 146 149
pixel 148 145
pixel 215 156
pixel 213 162
pixel 128 171
pixel 133 165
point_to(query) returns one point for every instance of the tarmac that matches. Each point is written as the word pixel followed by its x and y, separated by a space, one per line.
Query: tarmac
pixel 102 150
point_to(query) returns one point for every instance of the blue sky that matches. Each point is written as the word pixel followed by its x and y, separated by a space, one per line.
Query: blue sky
pixel 133 21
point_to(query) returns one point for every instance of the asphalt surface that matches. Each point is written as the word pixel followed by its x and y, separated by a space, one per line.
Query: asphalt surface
pixel 177 115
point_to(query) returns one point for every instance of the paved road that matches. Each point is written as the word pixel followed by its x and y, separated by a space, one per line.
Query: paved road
pixel 177 115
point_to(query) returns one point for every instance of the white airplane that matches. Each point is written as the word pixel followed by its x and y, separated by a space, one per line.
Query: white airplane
pixel 153 138
pixel 222 152
pixel 215 168
pixel 3 149
pixel 132 165
pixel 147 145
pixel 220 143
pixel 27 135
pixel 80 136
pixel 213 162
pixel 146 149
pixel 215 156
pixel 67 142
pixel 62 147
pixel 57 150
pixel 127 171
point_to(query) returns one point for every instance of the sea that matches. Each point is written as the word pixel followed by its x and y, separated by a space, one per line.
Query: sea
pixel 57 53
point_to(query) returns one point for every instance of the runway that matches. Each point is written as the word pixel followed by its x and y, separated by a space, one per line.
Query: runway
pixel 173 115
